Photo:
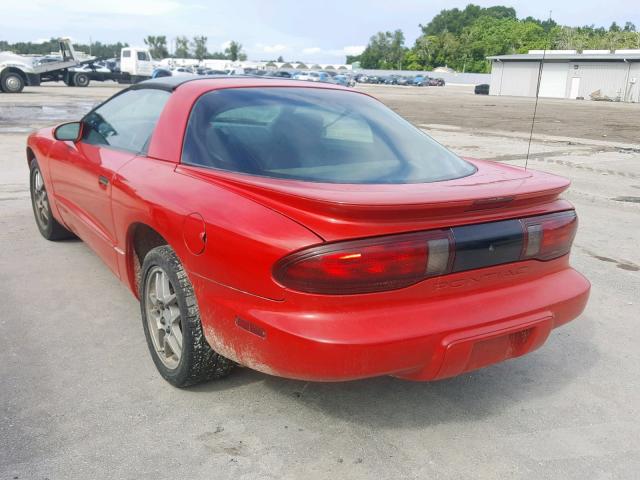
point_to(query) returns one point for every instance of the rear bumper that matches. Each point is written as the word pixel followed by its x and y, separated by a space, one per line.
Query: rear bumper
pixel 415 339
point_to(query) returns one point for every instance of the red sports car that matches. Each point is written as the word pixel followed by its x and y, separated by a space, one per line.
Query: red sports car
pixel 307 231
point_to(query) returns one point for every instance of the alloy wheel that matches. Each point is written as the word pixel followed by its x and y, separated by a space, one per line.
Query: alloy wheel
pixel 40 200
pixel 163 317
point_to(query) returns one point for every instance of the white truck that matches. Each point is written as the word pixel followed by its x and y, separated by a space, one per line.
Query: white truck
pixel 18 71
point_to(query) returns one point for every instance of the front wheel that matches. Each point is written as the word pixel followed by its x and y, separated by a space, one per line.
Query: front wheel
pixel 171 322
pixel 11 82
pixel 48 226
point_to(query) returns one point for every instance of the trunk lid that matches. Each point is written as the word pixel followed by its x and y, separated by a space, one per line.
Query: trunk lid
pixel 342 211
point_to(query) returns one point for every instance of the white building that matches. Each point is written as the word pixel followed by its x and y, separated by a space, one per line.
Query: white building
pixel 567 74
pixel 259 65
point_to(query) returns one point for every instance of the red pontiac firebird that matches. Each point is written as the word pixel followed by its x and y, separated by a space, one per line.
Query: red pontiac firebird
pixel 307 231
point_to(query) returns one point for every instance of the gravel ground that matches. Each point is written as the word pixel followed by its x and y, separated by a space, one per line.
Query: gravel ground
pixel 80 397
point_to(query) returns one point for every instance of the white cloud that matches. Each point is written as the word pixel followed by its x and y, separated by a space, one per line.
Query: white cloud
pixel 110 7
pixel 272 48
pixel 353 49
pixel 335 52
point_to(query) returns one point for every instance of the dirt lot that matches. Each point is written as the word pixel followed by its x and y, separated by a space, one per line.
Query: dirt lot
pixel 80 397
pixel 458 106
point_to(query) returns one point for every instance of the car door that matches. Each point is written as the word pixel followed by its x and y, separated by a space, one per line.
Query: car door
pixel 82 172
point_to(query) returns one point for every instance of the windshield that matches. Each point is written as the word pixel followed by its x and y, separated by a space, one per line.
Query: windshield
pixel 316 135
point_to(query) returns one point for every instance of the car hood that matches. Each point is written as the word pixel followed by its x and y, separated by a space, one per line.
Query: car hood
pixel 336 211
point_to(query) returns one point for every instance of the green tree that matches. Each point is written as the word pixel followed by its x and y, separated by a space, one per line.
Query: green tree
pixel 234 51
pixel 385 50
pixel 199 45
pixel 157 46
pixel 455 20
pixel 181 47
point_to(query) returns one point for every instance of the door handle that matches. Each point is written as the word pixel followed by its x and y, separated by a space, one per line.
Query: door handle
pixel 103 181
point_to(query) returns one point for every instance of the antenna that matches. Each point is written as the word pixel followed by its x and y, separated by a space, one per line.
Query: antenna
pixel 535 108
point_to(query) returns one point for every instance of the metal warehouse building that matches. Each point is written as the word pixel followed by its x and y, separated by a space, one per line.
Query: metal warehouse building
pixel 567 74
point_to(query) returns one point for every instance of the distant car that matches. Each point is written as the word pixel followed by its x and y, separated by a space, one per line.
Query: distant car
pixel 306 231
pixel 182 71
pixel 281 74
pixel 404 80
pixel 420 81
pixel 482 89
pixel 160 72
pixel 313 76
pixel 94 67
pixel 343 80
pixel 436 82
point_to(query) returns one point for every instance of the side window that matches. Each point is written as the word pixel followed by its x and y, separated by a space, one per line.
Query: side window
pixel 143 56
pixel 349 129
pixel 254 115
pixel 126 53
pixel 127 121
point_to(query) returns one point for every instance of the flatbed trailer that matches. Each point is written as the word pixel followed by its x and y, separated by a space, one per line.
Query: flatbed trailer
pixel 17 71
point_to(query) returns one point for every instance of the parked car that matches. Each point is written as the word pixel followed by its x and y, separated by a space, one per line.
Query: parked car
pixel 343 80
pixel 482 89
pixel 436 82
pixel 404 81
pixel 313 76
pixel 302 75
pixel 182 71
pixel 159 72
pixel 395 257
pixel 391 80
pixel 281 74
pixel 420 81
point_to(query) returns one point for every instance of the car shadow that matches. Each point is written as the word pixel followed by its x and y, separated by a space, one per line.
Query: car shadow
pixel 391 402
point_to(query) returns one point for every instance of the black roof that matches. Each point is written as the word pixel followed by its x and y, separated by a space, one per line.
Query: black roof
pixel 171 83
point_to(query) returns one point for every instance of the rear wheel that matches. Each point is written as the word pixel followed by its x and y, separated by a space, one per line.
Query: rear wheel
pixel 171 322
pixel 81 80
pixel 11 82
pixel 48 226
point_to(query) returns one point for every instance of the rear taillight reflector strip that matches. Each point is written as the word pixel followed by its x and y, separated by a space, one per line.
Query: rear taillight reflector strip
pixel 396 261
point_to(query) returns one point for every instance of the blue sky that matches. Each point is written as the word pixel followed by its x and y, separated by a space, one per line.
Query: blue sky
pixel 320 30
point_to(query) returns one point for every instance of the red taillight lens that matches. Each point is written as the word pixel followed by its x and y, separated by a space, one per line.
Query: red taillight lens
pixel 396 261
pixel 549 236
pixel 370 265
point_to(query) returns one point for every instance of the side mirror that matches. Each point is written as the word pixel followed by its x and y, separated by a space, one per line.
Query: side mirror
pixel 68 132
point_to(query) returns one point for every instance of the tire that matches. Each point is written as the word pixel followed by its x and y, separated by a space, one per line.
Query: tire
pixel 48 226
pixel 81 79
pixel 170 313
pixel 11 82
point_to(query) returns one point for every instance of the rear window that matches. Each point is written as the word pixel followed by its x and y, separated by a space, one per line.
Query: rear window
pixel 314 135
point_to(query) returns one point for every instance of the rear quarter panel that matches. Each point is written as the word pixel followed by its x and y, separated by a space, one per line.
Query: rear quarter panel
pixel 243 238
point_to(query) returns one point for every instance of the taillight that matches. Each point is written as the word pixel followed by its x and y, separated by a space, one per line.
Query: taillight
pixel 549 236
pixel 370 265
pixel 396 261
